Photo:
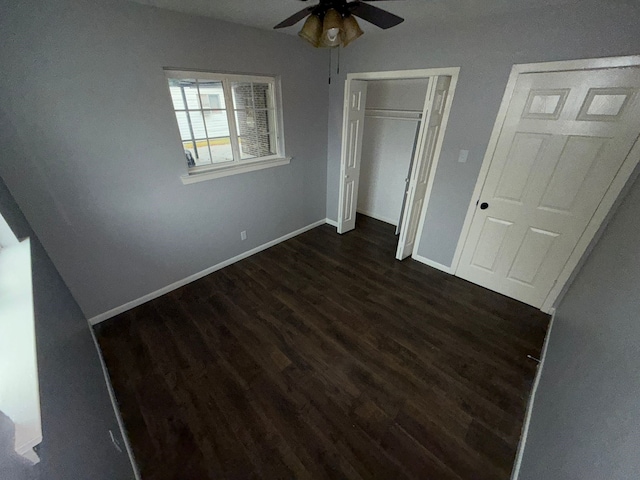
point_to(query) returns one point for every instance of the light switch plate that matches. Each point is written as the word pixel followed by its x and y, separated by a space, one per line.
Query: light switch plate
pixel 464 154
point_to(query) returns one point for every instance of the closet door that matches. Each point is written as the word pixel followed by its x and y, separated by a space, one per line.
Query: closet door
pixel 436 101
pixel 350 175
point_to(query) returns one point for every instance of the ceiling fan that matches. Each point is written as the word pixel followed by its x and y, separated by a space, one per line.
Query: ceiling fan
pixel 332 23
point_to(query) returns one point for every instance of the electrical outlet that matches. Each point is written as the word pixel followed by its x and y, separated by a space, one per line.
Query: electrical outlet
pixel 243 235
pixel 464 154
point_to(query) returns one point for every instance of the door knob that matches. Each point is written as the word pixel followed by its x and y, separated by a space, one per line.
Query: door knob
pixel 484 206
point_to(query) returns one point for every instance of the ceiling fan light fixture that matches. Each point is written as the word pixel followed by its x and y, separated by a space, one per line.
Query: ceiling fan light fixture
pixel 332 28
pixel 351 30
pixel 312 30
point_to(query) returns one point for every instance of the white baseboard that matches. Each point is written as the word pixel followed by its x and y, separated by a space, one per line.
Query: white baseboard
pixel 527 420
pixel 333 223
pixel 116 410
pixel 379 217
pixel 431 263
pixel 196 276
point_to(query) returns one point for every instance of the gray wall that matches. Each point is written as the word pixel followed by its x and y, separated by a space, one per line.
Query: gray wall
pixel 76 410
pixel 585 421
pixel 93 157
pixel 485 49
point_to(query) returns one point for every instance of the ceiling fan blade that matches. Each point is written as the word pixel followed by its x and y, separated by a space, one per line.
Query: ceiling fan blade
pixel 375 15
pixel 295 18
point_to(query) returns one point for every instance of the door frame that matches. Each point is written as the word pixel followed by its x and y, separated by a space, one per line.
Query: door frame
pixel 619 181
pixel 454 73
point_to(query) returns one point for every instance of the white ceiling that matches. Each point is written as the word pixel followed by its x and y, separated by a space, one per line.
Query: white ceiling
pixel 267 13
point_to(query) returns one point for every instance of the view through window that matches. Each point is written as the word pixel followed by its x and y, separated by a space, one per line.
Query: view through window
pixel 225 119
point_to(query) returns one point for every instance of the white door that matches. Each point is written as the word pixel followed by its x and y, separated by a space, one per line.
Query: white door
pixel 565 137
pixel 436 101
pixel 350 174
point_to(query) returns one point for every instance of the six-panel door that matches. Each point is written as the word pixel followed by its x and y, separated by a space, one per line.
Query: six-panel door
pixel 565 136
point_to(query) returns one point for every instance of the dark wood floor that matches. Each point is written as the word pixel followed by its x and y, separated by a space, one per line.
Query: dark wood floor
pixel 324 357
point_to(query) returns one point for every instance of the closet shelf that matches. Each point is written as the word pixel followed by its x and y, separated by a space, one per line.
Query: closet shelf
pixel 411 115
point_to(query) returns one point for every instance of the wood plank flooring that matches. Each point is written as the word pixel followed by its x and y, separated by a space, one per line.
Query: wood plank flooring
pixel 324 357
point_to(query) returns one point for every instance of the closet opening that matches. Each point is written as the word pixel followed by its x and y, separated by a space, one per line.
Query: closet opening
pixel 394 124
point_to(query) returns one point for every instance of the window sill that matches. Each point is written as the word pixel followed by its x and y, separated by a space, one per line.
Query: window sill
pixel 233 170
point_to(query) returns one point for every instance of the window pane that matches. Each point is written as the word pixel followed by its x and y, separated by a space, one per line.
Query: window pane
pixel 247 133
pixel 262 122
pixel 190 90
pixel 245 122
pixel 267 144
pixel 197 154
pixel 176 94
pixel 247 147
pixel 216 123
pixel 252 95
pixel 253 129
pixel 255 146
pixel 221 150
pixel 211 94
pixel 197 124
pixel 190 154
pixel 262 95
pixel 181 89
pixel 183 125
pixel 242 95
pixel 255 121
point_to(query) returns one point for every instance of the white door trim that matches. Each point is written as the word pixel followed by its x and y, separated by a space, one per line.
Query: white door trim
pixel 403 74
pixel 610 196
pixel 454 73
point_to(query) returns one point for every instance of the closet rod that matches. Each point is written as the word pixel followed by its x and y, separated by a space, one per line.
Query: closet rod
pixel 393 118
pixel 391 111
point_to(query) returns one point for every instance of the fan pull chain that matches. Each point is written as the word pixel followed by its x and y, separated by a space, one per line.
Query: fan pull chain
pixel 330 61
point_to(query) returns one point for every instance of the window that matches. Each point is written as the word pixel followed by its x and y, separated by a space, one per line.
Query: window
pixel 19 390
pixel 228 123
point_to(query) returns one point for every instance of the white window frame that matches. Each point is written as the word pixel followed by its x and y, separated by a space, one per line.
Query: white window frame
pixel 237 165
pixel 20 387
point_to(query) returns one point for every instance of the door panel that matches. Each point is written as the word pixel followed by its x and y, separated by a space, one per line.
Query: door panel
pixel 523 156
pixel 573 167
pixel 354 121
pixel 492 236
pixel 437 92
pixel 531 254
pixel 564 138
